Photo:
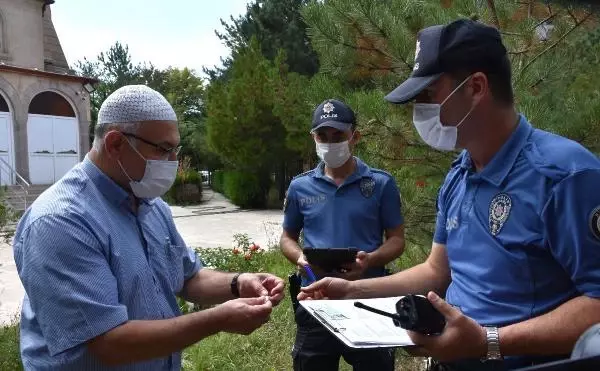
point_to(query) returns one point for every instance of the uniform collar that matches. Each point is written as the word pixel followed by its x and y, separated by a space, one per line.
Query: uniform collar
pixel 109 189
pixel 496 171
pixel 362 170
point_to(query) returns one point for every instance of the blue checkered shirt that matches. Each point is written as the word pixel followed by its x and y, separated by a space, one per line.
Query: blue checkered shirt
pixel 88 264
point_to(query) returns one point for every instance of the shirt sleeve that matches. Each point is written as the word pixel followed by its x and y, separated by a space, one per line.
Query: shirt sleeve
pixel 440 235
pixel 391 205
pixel 293 220
pixel 572 229
pixel 68 281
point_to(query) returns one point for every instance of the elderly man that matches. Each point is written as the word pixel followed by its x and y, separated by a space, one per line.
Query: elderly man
pixel 516 249
pixel 102 262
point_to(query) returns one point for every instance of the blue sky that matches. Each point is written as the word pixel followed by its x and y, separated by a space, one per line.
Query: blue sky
pixel 178 33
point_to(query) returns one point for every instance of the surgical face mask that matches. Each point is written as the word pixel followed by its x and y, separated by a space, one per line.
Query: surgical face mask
pixel 159 176
pixel 333 155
pixel 426 118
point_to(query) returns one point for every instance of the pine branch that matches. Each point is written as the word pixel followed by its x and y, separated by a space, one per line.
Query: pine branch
pixel 492 7
pixel 579 23
pixel 382 33
pixel 353 22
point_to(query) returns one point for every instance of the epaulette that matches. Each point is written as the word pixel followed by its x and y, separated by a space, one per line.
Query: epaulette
pixel 304 174
pixel 379 171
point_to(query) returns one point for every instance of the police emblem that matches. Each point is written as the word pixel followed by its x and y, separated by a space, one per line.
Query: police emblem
pixel 499 211
pixel 595 222
pixel 367 186
pixel 328 107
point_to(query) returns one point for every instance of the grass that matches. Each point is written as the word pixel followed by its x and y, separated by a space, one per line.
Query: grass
pixel 268 348
pixel 9 348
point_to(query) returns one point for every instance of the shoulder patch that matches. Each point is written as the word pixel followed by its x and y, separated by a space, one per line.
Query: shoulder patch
pixel 595 222
pixel 367 186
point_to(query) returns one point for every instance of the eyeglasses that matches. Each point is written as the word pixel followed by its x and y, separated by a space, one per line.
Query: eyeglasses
pixel 166 151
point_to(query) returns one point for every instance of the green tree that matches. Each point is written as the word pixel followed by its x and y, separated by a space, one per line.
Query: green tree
pixel 241 126
pixel 277 25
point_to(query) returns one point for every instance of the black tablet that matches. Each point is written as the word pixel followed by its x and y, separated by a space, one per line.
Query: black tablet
pixel 330 259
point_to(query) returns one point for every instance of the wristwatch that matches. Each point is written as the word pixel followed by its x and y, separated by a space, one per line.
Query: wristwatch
pixel 234 286
pixel 493 344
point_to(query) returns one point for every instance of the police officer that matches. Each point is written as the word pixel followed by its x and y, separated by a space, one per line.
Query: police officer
pixel 341 203
pixel 516 250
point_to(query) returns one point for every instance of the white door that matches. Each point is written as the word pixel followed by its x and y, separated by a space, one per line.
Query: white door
pixel 53 147
pixel 7 156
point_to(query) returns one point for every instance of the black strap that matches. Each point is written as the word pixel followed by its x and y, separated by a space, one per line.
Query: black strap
pixel 234 286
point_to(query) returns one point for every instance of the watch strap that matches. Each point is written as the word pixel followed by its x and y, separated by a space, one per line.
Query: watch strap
pixel 234 285
pixel 493 343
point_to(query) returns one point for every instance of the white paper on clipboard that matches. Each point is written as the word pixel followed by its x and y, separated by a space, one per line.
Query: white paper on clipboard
pixel 358 328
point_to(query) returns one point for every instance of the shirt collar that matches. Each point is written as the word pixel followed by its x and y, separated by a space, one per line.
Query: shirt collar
pixel 111 190
pixel 497 170
pixel 362 170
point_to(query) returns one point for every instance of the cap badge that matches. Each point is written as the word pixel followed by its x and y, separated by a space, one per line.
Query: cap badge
pixel 328 107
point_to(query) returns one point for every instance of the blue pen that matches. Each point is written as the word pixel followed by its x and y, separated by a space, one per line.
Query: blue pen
pixel 310 273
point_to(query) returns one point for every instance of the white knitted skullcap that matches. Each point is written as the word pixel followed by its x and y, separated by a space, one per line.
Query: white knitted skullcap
pixel 135 103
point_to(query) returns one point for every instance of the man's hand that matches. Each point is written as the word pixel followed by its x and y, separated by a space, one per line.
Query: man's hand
pixel 462 337
pixel 244 315
pixel 261 284
pixel 356 270
pixel 327 288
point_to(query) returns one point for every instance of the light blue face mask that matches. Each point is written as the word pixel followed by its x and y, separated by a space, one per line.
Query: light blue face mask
pixel 426 118
pixel 159 176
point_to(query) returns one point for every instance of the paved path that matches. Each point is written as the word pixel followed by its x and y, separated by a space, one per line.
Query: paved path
pixel 211 224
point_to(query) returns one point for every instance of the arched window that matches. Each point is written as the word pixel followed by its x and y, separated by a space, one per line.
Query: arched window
pixel 3 104
pixel 52 104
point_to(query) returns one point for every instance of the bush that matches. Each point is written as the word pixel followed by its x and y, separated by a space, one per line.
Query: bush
pixel 187 188
pixel 245 256
pixel 247 190
pixel 217 181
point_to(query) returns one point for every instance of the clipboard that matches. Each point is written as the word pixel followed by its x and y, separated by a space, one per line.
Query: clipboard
pixel 358 328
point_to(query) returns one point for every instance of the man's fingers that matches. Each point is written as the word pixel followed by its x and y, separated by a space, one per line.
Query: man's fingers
pixel 442 306
pixel 314 286
pixel 361 255
pixel 255 301
pixel 274 285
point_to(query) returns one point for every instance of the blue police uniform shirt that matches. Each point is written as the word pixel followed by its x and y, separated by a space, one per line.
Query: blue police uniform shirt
pixel 522 235
pixel 355 214
pixel 88 264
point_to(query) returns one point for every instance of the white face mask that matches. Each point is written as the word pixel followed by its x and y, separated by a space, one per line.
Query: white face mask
pixel 159 176
pixel 333 155
pixel 426 118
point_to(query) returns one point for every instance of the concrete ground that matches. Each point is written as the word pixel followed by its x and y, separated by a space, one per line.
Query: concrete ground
pixel 211 224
